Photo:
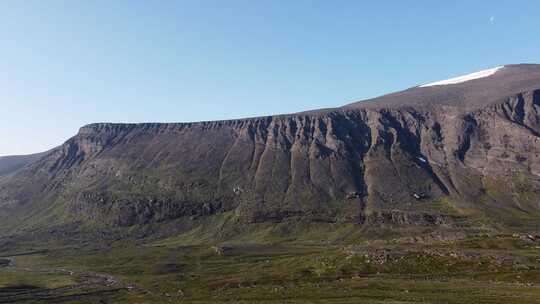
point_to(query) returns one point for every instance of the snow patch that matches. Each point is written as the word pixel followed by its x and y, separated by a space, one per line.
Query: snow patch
pixel 460 79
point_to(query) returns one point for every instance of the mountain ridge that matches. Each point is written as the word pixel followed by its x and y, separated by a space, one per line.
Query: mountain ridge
pixel 443 157
pixel 375 102
pixel 11 163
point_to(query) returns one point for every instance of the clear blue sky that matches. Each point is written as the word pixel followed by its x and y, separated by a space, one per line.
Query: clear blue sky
pixel 64 64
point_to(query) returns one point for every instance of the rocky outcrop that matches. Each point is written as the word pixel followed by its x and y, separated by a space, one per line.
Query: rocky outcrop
pixel 128 210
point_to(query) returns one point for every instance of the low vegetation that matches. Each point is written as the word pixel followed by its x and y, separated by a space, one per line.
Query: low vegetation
pixel 454 268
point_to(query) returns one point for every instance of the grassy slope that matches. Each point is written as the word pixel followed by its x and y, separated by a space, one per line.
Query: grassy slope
pixel 266 264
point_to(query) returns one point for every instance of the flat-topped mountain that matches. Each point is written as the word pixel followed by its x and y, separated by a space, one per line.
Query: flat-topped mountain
pixel 462 153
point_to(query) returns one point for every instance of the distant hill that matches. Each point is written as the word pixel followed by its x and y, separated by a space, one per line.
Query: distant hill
pixel 10 164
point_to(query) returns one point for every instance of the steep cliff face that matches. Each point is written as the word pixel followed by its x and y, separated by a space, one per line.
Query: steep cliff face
pixel 425 156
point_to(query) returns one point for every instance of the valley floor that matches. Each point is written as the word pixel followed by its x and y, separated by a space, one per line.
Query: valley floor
pixel 476 269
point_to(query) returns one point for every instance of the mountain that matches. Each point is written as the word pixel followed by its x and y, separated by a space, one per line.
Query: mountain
pixel 10 164
pixel 460 154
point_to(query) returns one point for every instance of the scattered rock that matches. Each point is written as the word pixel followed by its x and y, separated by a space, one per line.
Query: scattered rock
pixel 352 195
pixel 237 190
pixel 221 249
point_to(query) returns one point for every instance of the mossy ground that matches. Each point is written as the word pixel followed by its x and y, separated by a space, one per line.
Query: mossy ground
pixel 475 269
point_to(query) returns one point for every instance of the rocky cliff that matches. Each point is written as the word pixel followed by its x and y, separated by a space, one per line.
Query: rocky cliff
pixel 426 156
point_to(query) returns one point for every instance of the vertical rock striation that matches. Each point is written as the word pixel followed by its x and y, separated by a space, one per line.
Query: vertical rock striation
pixel 396 159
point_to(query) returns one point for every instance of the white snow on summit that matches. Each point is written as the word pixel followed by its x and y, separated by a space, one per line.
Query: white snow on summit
pixel 480 74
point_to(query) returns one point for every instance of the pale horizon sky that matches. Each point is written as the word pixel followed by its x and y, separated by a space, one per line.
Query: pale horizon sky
pixel 68 63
